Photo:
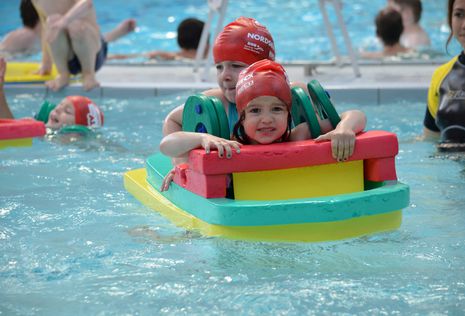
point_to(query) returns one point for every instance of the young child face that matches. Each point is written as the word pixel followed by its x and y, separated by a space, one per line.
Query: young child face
pixel 265 119
pixel 458 21
pixel 227 73
pixel 62 115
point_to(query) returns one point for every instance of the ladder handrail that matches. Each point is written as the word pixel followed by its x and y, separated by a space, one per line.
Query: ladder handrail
pixel 348 43
pixel 220 7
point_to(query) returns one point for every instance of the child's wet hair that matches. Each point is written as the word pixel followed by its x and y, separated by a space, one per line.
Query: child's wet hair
pixel 189 33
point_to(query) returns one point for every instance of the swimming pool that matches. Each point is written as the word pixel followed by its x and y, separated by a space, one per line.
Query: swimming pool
pixel 72 240
pixel 296 26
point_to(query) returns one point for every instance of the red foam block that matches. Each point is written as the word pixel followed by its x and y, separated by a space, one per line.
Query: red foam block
pixel 380 169
pixel 208 186
pixel 371 144
pixel 22 128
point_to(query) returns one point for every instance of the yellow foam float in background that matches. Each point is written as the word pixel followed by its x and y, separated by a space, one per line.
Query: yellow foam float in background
pixel 24 72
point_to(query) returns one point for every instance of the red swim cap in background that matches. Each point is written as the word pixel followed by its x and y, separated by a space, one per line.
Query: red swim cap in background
pixel 263 78
pixel 243 40
pixel 87 113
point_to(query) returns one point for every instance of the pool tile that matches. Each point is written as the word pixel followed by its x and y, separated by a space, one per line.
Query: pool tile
pixel 360 96
pixel 409 94
pixel 128 92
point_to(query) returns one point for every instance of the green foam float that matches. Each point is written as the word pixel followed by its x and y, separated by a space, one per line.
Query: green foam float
pixel 305 109
pixel 205 114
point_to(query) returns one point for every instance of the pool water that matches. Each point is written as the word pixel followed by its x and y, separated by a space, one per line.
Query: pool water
pixel 73 241
pixel 296 26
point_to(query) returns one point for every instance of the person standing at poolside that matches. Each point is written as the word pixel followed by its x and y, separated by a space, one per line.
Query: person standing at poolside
pixel 445 113
pixel 71 36
pixel 26 40
pixel 413 36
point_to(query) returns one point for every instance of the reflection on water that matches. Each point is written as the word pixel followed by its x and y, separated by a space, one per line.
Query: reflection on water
pixel 72 239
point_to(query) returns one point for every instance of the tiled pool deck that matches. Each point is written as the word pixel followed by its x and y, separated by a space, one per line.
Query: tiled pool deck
pixel 378 83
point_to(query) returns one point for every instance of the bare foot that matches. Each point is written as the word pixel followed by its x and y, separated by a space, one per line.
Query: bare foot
pixel 58 83
pixel 124 28
pixel 89 82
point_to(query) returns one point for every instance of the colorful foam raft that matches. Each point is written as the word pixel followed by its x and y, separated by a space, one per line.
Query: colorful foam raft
pixel 19 133
pixel 282 192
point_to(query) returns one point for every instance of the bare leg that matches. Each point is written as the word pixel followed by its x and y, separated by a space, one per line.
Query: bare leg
pixel 60 50
pixel 125 27
pixel 85 41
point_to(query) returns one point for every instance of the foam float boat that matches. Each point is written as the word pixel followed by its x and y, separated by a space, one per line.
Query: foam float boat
pixel 19 133
pixel 282 192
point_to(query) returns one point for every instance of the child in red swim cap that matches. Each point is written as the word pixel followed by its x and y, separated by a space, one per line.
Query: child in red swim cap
pixel 75 110
pixel 72 110
pixel 244 40
pixel 263 101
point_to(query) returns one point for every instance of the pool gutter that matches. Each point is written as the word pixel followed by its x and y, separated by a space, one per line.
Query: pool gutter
pixel 379 82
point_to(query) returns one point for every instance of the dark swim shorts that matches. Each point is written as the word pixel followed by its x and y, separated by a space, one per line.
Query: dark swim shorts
pixel 74 65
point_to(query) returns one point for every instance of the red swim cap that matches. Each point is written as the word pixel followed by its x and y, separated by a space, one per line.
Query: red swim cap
pixel 243 40
pixel 86 112
pixel 263 78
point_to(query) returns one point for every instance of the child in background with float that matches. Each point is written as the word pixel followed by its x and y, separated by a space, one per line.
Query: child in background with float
pixel 445 111
pixel 71 111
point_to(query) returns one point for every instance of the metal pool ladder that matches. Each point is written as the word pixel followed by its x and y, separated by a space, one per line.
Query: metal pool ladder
pixel 219 7
pixel 214 7
pixel 329 29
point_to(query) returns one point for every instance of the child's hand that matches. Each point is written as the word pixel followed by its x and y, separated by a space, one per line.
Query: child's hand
pixel 342 143
pixel 222 145
pixel 167 180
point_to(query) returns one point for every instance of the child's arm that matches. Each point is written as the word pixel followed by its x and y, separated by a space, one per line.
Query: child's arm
pixel 179 144
pixel 173 121
pixel 343 136
pixel 5 111
pixel 148 55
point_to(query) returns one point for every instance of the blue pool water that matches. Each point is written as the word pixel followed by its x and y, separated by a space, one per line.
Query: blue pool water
pixel 73 241
pixel 296 26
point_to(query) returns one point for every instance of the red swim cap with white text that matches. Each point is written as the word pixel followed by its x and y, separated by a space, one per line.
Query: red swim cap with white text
pixel 86 112
pixel 244 40
pixel 263 78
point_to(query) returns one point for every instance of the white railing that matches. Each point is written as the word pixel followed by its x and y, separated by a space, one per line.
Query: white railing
pixel 214 7
pixel 329 28
pixel 219 7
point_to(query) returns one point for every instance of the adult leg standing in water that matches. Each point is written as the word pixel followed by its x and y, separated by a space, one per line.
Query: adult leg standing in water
pixel 72 38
